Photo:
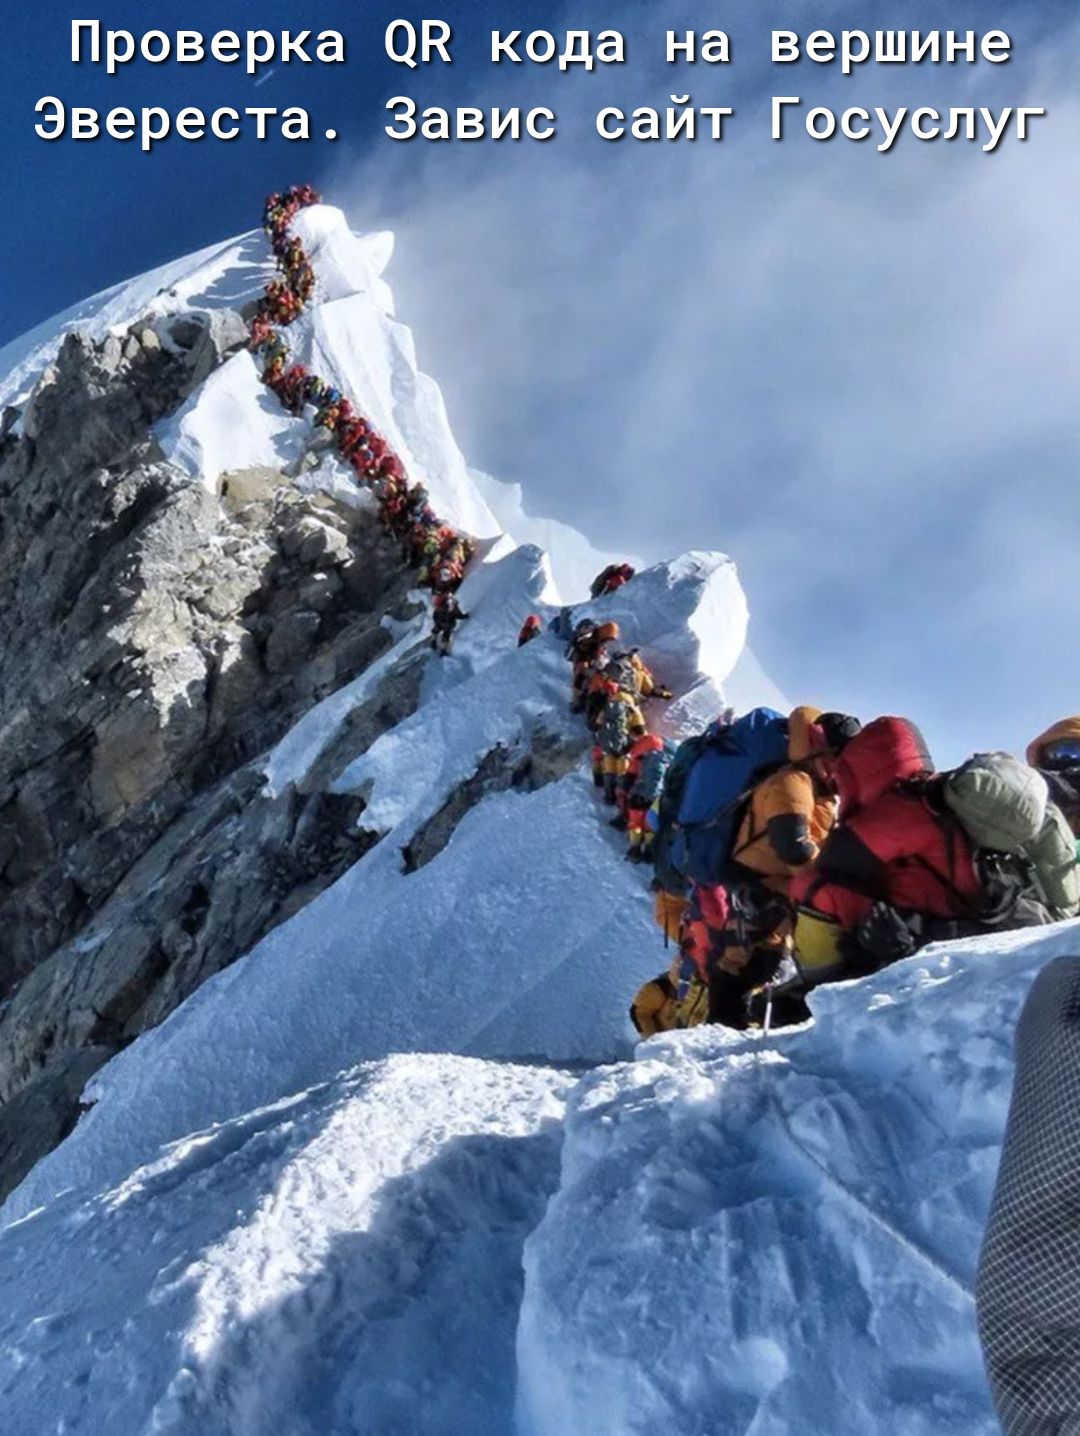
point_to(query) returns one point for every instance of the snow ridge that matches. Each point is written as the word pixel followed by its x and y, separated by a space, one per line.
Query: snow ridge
pixel 282 1210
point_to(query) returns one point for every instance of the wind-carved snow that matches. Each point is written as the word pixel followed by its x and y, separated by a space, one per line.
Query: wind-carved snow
pixel 350 337
pixel 231 423
pixel 346 1260
pixel 780 1235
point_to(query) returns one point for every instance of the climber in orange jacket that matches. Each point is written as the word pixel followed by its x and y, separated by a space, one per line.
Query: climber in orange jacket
pixel 649 759
pixel 588 650
pixel 791 811
pixel 788 817
pixel 1057 757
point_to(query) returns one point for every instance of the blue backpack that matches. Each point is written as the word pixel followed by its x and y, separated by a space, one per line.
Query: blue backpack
pixel 733 760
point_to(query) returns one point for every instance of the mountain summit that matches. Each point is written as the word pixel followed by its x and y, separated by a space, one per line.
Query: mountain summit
pixel 314 945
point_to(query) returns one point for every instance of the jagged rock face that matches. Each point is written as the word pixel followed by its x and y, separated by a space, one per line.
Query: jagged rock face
pixel 152 638
pixel 155 638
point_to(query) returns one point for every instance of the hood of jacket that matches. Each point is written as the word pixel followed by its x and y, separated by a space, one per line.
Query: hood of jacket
pixel 1067 728
pixel 803 742
pixel 886 752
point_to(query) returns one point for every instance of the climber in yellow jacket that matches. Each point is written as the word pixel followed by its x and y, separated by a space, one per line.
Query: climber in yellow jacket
pixel 645 685
pixel 670 1001
pixel 621 721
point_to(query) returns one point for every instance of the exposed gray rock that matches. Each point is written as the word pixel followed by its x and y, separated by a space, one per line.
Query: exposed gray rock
pixel 544 759
pixel 226 873
pixel 154 641
pixel 43 1113
pixel 291 640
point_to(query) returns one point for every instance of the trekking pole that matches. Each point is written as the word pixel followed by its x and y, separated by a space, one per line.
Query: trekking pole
pixel 766 1025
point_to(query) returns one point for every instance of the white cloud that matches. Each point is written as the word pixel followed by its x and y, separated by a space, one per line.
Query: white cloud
pixel 855 372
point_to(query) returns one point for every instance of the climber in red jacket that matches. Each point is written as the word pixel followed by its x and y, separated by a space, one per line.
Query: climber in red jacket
pixel 530 629
pixel 611 579
pixel 891 853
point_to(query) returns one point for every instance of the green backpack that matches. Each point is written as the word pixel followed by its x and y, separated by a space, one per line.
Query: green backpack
pixel 1004 807
pixel 1053 855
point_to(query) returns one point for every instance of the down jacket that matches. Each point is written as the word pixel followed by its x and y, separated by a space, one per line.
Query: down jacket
pixel 790 812
pixel 890 845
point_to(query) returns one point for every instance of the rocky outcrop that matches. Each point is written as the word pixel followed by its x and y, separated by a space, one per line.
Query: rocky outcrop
pixel 526 767
pixel 155 639
pixel 41 1116
pixel 173 641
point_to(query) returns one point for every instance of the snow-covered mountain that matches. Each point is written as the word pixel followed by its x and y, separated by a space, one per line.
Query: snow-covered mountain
pixel 303 1110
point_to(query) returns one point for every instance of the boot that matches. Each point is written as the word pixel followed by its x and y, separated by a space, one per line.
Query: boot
pixel 727 1001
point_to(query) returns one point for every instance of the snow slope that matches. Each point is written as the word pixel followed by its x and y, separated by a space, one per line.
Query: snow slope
pixel 347 1260
pixel 222 275
pixel 517 984
pixel 779 1236
pixel 522 939
pixel 742 1237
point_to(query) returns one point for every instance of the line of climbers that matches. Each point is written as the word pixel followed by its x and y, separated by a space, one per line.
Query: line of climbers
pixel 792 851
pixel 437 551
pixel 787 851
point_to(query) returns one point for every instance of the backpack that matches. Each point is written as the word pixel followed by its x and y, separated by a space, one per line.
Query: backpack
pixel 670 879
pixel 1001 803
pixel 620 669
pixel 1024 848
pixel 650 778
pixel 1054 858
pixel 718 785
pixel 613 733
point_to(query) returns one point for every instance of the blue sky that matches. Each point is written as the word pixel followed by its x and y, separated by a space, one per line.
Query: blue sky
pixel 856 373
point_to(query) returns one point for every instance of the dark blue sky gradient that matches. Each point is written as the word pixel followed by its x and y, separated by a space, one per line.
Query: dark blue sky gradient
pixel 856 373
pixel 92 213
